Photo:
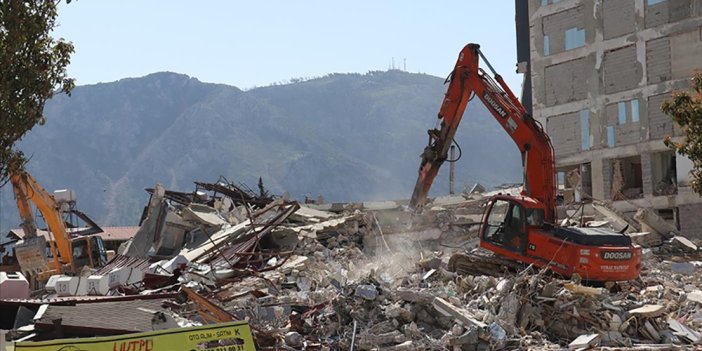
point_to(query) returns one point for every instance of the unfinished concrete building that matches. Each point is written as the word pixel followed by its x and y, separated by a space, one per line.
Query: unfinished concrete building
pixel 599 71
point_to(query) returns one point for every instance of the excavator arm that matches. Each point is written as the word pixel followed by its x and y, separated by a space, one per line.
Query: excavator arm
pixel 27 189
pixel 466 82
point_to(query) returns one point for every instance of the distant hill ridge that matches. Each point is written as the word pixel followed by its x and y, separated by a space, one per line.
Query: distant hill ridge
pixel 348 137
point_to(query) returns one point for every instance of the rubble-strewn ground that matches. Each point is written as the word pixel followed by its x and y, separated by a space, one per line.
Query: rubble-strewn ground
pixel 334 295
pixel 360 278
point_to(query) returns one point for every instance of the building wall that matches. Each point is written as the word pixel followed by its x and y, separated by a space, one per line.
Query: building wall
pixel 566 132
pixel 622 70
pixel 600 70
pixel 623 23
pixel 558 86
pixel 690 219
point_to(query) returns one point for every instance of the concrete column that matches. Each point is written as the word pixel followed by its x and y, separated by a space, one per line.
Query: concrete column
pixel 597 173
pixel 646 174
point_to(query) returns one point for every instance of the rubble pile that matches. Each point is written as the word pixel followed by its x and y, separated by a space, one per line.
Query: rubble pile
pixel 335 296
pixel 350 279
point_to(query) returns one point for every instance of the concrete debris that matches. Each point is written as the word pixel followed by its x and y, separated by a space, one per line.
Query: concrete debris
pixel 648 311
pixel 684 244
pixel 695 296
pixel 445 308
pixel 155 211
pixel 294 339
pixel 682 267
pixel 585 341
pixel 582 290
pixel 651 222
pixel 477 189
pixel 368 292
pixel 646 239
pixel 350 277
pixel 621 223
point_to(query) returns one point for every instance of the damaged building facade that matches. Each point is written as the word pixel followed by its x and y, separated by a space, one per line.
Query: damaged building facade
pixel 599 71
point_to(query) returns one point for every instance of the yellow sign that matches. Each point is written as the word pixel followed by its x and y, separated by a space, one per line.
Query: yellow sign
pixel 233 336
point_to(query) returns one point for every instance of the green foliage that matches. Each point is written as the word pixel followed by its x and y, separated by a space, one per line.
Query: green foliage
pixel 32 70
pixel 686 110
pixel 262 192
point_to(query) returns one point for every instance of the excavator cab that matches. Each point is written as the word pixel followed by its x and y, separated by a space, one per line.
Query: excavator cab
pixel 88 251
pixel 506 221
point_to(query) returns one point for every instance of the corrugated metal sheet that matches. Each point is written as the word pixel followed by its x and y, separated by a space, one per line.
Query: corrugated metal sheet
pixel 232 255
pixel 120 261
pixel 103 318
pixel 108 233
pixel 72 300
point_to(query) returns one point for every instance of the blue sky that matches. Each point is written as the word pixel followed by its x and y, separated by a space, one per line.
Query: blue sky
pixel 256 43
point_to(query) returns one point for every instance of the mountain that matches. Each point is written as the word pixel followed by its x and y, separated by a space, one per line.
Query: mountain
pixel 348 137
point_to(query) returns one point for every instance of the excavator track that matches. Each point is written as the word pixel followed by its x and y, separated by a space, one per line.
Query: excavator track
pixel 480 262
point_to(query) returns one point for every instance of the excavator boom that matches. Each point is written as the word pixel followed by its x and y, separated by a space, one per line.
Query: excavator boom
pixel 467 81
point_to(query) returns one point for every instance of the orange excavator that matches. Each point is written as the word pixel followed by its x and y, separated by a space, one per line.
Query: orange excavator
pixel 522 228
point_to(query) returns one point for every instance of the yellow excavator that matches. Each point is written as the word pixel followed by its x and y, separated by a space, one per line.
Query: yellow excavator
pixel 61 254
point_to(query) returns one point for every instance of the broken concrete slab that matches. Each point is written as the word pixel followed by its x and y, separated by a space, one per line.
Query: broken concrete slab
pixel 202 214
pixel 311 230
pixel 646 217
pixel 684 331
pixel 312 215
pixel 142 241
pixel 449 310
pixel 585 341
pixel 646 239
pixel 620 221
pixel 695 296
pixel 169 237
pixel 648 311
pixel 411 295
pixel 684 244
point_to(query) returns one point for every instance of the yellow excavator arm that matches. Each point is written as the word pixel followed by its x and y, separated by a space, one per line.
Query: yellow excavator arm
pixel 27 189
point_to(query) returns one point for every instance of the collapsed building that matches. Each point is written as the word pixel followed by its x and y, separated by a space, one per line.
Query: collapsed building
pixel 358 276
pixel 372 276
pixel 597 72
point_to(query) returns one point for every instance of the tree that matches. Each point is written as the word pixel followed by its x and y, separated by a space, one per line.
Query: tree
pixel 32 70
pixel 261 190
pixel 686 110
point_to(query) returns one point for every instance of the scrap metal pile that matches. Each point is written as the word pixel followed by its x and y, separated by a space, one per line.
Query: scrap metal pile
pixel 356 279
